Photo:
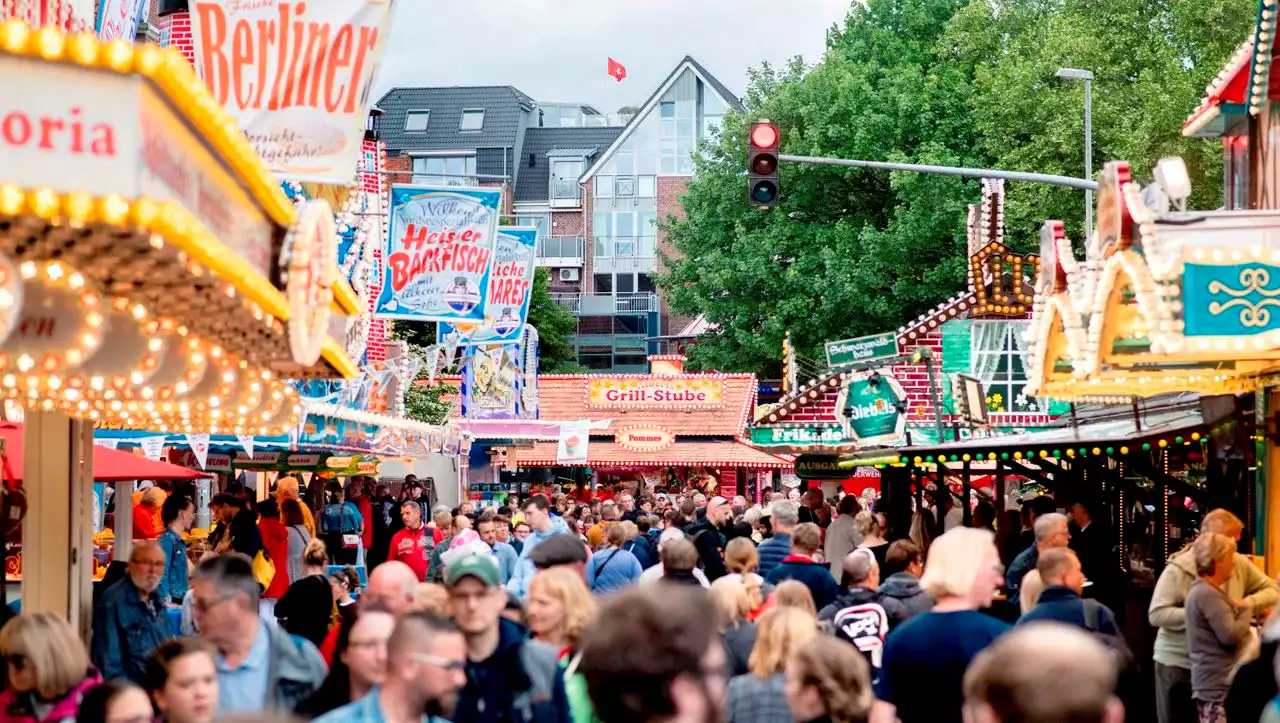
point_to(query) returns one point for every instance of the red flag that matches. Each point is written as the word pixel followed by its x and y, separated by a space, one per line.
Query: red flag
pixel 617 70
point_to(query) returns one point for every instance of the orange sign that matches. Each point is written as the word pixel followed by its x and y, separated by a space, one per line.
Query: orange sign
pixel 625 392
pixel 644 439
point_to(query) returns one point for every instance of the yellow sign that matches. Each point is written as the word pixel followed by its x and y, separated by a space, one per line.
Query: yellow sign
pixel 622 392
pixel 644 439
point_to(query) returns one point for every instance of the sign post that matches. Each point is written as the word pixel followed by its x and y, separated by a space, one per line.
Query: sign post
pixel 862 349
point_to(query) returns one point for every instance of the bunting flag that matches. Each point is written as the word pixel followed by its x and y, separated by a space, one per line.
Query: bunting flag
pixel 433 364
pixel 450 351
pixel 199 444
pixel 152 446
pixel 617 70
pixel 108 443
pixel 246 441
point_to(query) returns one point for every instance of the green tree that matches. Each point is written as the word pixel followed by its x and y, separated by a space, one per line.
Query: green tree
pixel 847 251
pixel 946 82
pixel 430 404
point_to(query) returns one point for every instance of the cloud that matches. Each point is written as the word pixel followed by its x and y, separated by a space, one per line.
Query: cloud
pixel 556 50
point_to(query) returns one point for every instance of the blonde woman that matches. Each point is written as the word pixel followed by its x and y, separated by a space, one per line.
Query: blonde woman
pixel 733 607
pixel 963 574
pixel 742 561
pixel 560 610
pixel 1217 626
pixel 759 696
pixel 794 594
pixel 48 670
pixel 828 680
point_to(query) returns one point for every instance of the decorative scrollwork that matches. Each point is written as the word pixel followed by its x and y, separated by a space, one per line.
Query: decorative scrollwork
pixel 1253 314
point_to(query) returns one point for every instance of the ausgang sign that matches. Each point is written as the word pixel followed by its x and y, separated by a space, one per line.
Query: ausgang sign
pixel 671 393
pixel 816 466
pixel 872 404
pixel 644 439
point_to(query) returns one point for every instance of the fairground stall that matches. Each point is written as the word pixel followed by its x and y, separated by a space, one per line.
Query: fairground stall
pixel 872 395
pixel 668 429
pixel 154 276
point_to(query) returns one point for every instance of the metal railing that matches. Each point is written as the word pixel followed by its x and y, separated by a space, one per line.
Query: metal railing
pixel 608 304
pixel 560 247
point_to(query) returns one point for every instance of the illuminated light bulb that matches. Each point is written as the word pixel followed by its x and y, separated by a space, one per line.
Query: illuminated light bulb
pixel 75 280
pixel 88 340
pixel 47 405
pixel 93 319
pixel 27 269
pixel 97 383
pixel 25 363
pixel 136 377
pixel 52 381
pixel 139 312
pixel 50 362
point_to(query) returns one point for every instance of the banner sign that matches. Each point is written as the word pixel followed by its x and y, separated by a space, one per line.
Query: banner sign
pixel 809 434
pixel 510 288
pixel 571 447
pixel 644 439
pixel 438 254
pixel 491 381
pixel 814 466
pixel 872 406
pixel 118 19
pixel 296 77
pixel 623 392
pixel 862 349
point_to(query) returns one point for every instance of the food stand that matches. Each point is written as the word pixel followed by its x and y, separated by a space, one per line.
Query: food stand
pixel 153 275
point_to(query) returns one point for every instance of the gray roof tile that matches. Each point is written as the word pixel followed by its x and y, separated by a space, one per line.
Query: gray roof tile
pixel 503 119
pixel 534 180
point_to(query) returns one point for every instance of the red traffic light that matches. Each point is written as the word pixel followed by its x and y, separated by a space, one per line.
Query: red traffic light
pixel 764 135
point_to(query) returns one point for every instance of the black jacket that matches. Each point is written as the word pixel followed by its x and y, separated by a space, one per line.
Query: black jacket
pixel 520 682
pixel 710 544
pixel 893 608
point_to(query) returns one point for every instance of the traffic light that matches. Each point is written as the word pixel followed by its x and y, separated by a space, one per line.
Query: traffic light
pixel 762 165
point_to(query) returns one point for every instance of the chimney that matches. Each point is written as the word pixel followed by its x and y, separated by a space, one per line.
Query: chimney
pixel 666 364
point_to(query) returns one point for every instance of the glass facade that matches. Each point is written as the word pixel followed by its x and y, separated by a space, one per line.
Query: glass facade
pixel 445 170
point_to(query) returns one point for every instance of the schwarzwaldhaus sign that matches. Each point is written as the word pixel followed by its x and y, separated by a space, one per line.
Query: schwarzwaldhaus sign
pixel 873 405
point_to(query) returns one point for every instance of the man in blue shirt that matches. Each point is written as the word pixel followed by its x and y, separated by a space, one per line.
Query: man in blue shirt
pixel 129 621
pixel 426 667
pixel 260 666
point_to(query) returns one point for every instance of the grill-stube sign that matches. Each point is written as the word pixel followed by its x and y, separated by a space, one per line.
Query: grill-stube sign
pixel 668 393
pixel 295 75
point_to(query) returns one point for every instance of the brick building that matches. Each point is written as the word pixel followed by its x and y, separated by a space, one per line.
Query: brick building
pixel 978 332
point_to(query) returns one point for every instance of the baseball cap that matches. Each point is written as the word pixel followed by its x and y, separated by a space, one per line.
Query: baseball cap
pixel 481 567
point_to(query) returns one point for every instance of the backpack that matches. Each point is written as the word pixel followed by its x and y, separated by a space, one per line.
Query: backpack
pixel 864 626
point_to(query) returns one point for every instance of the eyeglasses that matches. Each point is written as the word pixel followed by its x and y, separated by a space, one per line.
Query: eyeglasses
pixel 443 664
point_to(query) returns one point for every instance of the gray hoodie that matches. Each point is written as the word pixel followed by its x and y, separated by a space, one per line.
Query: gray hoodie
pixel 295 669
pixel 906 587
pixel 1168 602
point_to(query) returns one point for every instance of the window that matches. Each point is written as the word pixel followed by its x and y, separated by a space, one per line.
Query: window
pixel 625 186
pixel 444 170
pixel 998 358
pixel 538 221
pixel 648 187
pixel 472 120
pixel 668 109
pixel 603 283
pixel 564 179
pixel 604 186
pixel 415 121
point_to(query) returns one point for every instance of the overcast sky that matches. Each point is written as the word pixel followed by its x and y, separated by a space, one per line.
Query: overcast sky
pixel 556 50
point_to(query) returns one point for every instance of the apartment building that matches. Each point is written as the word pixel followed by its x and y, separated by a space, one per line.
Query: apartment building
pixel 595 191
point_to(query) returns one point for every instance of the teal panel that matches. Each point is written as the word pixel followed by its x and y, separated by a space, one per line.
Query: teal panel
pixel 955 346
pixel 1233 300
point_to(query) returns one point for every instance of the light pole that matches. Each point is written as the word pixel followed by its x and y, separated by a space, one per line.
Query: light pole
pixel 1087 77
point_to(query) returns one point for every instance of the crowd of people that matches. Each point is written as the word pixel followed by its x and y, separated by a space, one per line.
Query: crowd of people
pixel 638 608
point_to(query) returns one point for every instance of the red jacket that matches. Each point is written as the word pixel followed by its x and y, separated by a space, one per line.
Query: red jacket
pixel 275 540
pixel 146 523
pixel 413 548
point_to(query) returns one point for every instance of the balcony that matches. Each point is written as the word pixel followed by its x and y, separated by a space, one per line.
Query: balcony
pixel 558 251
pixel 608 304
pixel 613 264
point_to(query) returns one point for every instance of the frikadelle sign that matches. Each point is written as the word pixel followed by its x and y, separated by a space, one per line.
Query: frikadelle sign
pixel 872 405
pixel 438 254
pixel 863 349
pixel 809 434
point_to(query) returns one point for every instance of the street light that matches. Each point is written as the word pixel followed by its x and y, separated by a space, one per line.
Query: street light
pixel 1087 77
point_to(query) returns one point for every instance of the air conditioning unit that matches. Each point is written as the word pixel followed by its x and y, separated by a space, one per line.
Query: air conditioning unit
pixel 568 274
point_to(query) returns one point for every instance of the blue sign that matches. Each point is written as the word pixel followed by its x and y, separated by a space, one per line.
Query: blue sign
pixel 510 289
pixel 438 254
pixel 1230 300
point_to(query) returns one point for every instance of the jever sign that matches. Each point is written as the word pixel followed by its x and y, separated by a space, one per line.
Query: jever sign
pixel 295 75
pixel 673 393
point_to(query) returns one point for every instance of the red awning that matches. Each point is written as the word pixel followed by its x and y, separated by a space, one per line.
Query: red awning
pixel 109 465
pixel 1229 86
pixel 607 454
